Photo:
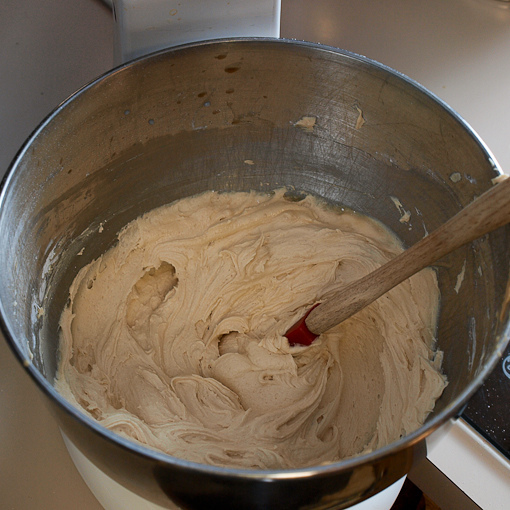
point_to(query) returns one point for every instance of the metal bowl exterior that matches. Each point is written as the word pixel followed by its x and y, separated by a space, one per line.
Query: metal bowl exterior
pixel 225 115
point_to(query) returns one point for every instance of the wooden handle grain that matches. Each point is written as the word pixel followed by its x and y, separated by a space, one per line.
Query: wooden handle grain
pixel 485 214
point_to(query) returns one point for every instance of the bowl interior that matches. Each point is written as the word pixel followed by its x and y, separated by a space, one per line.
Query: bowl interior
pixel 249 115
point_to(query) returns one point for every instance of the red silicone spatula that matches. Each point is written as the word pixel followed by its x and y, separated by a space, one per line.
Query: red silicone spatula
pixel 485 214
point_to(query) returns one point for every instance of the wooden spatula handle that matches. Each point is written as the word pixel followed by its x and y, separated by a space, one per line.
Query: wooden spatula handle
pixel 485 214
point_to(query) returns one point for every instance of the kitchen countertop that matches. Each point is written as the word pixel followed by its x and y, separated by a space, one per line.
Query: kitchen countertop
pixel 457 49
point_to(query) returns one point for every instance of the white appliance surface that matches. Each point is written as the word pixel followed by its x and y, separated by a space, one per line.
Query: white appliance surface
pixel 459 50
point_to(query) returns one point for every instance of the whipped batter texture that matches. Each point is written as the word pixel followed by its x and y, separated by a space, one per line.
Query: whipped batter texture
pixel 173 337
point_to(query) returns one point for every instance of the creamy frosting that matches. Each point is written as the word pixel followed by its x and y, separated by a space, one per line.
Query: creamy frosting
pixel 173 337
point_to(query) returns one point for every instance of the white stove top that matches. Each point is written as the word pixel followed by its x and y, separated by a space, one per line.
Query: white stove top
pixel 460 50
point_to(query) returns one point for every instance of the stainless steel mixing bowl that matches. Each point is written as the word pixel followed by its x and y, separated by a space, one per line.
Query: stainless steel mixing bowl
pixel 225 116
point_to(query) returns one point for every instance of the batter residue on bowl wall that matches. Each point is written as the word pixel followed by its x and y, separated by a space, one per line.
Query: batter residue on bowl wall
pixel 174 337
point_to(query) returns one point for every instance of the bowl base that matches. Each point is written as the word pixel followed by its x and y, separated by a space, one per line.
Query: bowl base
pixel 113 496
